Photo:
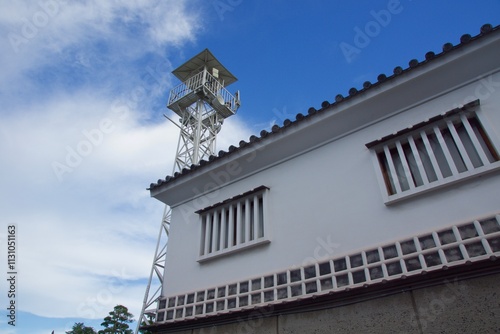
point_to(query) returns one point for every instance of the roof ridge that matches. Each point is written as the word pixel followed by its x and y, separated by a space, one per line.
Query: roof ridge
pixel 339 98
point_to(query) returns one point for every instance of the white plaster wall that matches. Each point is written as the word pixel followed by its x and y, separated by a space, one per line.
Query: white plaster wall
pixel 331 196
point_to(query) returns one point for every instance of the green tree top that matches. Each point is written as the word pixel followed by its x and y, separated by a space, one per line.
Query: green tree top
pixel 80 328
pixel 117 321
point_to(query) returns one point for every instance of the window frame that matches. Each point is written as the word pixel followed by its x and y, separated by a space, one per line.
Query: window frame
pixel 392 145
pixel 228 234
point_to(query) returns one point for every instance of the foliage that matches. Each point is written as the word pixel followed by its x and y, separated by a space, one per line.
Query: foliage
pixel 144 331
pixel 117 321
pixel 149 320
pixel 80 328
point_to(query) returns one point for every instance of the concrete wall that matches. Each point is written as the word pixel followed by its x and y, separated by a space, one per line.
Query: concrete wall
pixel 330 196
pixel 469 306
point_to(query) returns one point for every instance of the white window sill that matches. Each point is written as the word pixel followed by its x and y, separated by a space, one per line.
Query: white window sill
pixel 234 249
pixel 454 179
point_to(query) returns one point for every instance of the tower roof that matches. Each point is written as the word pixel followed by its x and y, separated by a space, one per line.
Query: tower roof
pixel 198 62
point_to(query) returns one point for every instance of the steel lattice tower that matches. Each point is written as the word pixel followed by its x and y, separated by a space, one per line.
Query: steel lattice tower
pixel 202 103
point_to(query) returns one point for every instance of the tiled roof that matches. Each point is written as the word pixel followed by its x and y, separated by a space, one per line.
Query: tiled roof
pixel 232 199
pixel 339 99
pixel 452 112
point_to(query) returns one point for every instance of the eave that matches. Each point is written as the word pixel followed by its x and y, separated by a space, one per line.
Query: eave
pixel 390 95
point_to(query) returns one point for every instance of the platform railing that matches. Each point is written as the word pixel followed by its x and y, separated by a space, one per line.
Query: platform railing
pixel 211 86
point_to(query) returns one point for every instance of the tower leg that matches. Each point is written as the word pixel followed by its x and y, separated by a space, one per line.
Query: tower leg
pixel 148 311
pixel 200 124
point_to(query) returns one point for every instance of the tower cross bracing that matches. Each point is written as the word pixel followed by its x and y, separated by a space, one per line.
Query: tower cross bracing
pixel 201 102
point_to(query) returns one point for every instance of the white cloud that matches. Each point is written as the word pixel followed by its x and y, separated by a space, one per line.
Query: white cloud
pixel 98 222
pixel 98 219
pixel 88 34
pixel 81 142
pixel 59 23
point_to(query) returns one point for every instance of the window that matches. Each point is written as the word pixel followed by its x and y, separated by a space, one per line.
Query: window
pixel 234 224
pixel 444 149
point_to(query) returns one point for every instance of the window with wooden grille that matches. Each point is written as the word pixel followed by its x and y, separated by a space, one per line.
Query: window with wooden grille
pixel 234 224
pixel 447 148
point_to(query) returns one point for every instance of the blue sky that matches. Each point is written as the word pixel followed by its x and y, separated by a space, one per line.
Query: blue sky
pixel 93 77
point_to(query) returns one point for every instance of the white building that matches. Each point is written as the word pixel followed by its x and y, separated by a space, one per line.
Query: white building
pixel 379 212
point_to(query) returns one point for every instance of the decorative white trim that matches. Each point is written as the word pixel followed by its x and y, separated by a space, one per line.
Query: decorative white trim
pixel 234 249
pixel 431 251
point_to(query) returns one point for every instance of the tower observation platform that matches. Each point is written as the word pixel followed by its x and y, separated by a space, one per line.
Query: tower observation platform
pixel 204 78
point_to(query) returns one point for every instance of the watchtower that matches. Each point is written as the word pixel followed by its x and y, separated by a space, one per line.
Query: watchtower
pixel 202 102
